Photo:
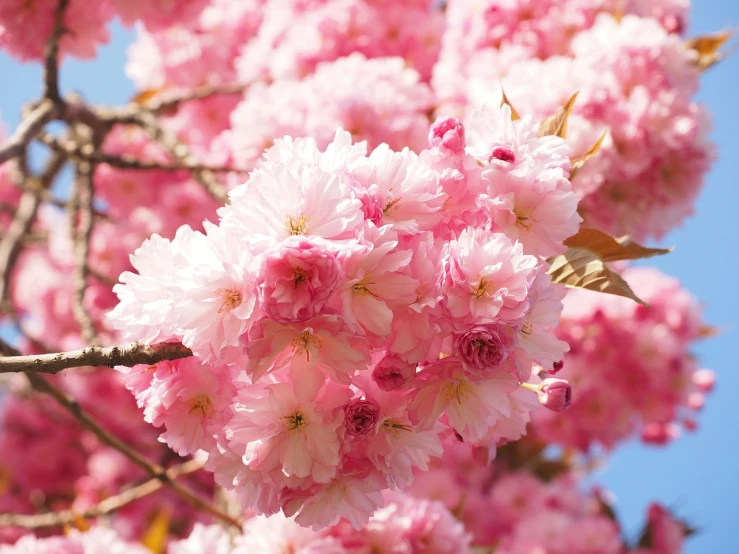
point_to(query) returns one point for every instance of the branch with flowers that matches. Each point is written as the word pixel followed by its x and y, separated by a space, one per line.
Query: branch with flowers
pixel 334 264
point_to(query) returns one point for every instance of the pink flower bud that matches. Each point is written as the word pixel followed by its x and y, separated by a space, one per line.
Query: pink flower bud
pixel 361 417
pixel 660 433
pixel 503 154
pixel 392 373
pixel 704 379
pixel 449 133
pixel 555 394
pixel 481 348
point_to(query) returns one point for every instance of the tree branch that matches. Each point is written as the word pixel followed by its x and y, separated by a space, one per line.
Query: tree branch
pixel 180 152
pixel 51 54
pixel 29 127
pixel 126 161
pixel 111 356
pixel 153 469
pixel 107 506
pixel 85 193
pixel 165 102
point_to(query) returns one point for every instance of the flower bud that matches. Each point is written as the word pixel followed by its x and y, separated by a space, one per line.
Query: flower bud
pixel 392 373
pixel 481 348
pixel 361 417
pixel 659 433
pixel 555 394
pixel 448 132
pixel 503 154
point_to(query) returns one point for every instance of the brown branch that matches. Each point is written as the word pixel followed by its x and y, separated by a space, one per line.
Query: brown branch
pixel 85 193
pixel 165 101
pixel 51 54
pixel 126 161
pixel 111 356
pixel 12 241
pixel 153 469
pixel 107 506
pixel 180 152
pixel 29 127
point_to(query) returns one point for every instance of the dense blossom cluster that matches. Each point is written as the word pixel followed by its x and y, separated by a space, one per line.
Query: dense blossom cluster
pixel 371 314
pixel 320 306
pixel 636 80
pixel 654 387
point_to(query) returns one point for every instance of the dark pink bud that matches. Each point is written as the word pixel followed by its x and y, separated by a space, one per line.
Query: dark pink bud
pixel 481 348
pixel 555 394
pixel 704 379
pixel 449 133
pixel 361 417
pixel 673 24
pixel 556 368
pixel 392 373
pixel 502 153
pixel 659 433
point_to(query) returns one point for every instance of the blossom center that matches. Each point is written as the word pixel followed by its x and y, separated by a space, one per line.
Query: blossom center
pixel 361 286
pixel 390 206
pixel 297 225
pixel 459 389
pixel 295 421
pixel 304 343
pixel 300 276
pixel 523 219
pixel 231 299
pixel 483 287
pixel 201 404
pixel 395 427
pixel 527 328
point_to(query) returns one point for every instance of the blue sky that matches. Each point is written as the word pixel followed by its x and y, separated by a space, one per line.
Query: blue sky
pixel 697 475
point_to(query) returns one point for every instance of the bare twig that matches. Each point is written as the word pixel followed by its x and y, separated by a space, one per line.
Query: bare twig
pixel 85 193
pixel 107 506
pixel 51 54
pixel 165 101
pixel 153 469
pixel 180 152
pixel 126 161
pixel 44 112
pixel 12 241
pixel 110 356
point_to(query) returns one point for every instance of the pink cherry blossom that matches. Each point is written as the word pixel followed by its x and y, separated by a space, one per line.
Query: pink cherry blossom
pixel 297 279
pixel 487 278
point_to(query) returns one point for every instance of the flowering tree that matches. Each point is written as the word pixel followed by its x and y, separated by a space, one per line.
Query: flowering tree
pixel 361 270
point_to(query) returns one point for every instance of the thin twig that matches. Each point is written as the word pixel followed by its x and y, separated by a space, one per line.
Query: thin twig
pixel 126 161
pixel 165 101
pixel 85 193
pixel 180 152
pixel 51 54
pixel 107 506
pixel 44 112
pixel 12 241
pixel 155 470
pixel 110 356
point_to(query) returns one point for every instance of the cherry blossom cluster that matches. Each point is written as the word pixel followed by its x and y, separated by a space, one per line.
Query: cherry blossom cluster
pixel 636 78
pixel 25 26
pixel 261 40
pixel 652 388
pixel 370 314
pixel 350 308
